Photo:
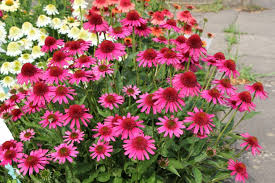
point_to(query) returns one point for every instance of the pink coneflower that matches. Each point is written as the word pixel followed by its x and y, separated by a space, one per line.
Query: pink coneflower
pixel 244 101
pixel 95 23
pixel 61 93
pixel 7 156
pixel 229 68
pixel 51 44
pixel 239 169
pixel 179 41
pixel 171 24
pixel 100 150
pixel 74 114
pixel 258 89
pixel 77 47
pixel 27 135
pixel 201 121
pixel 143 30
pixel 131 91
pixel 110 100
pixel 232 103
pixel 101 3
pixel 60 58
pixel 168 98
pixel 120 32
pixel 167 13
pixel 16 114
pixel 187 84
pixel 133 19
pixel 200 136
pixel 225 86
pixel 84 61
pixel 125 6
pixel 80 75
pixel 64 152
pixel 139 146
pixel 168 56
pixel 160 39
pixel 11 144
pixel 171 126
pixel 29 108
pixel 16 98
pixel 103 69
pixel 29 74
pixel 112 120
pixel 213 95
pixel 40 93
pixel 251 142
pixel 158 18
pixel 147 58
pixel 73 136
pixel 215 59
pixel 184 16
pixel 194 46
pixel 108 50
pixel 53 119
pixel 54 74
pixel 104 132
pixel 146 102
pixel 33 162
pixel 128 126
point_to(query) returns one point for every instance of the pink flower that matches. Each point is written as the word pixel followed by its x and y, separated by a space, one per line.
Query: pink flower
pixel 108 50
pixel 64 152
pixel 54 74
pixel 112 120
pixel 147 58
pixel 16 114
pixel 133 19
pixel 11 144
pixel 33 162
pixel 95 23
pixel 60 58
pixel 120 32
pixel 139 146
pixel 101 3
pixel 60 93
pixel 239 169
pixel 158 18
pixel 85 61
pixel 168 56
pixel 171 126
pixel 105 132
pixel 103 69
pixel 27 135
pixel 53 119
pixel 201 121
pixel 184 16
pixel 213 95
pixel 40 93
pixel 51 44
pixel 179 41
pixel 229 68
pixel 143 30
pixel 128 126
pixel 215 59
pixel 171 24
pixel 258 89
pixel 125 6
pixel 29 108
pixel 168 98
pixel 187 84
pixel 16 98
pixel 146 102
pixel 10 155
pixel 80 75
pixel 74 114
pixel 131 91
pixel 74 136
pixel 160 39
pixel 244 101
pixel 194 46
pixel 225 86
pixel 77 47
pixel 29 74
pixel 251 142
pixel 100 150
pixel 110 100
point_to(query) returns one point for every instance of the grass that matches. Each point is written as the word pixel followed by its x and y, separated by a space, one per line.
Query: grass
pixel 213 7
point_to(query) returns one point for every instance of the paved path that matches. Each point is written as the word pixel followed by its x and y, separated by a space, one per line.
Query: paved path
pixel 256 48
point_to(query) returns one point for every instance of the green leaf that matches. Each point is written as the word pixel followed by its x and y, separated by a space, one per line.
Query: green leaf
pixel 91 178
pixel 82 100
pixel 197 174
pixel 103 177
pixel 173 170
pixel 220 176
pixel 201 157
pixel 117 180
pixel 69 177
pixel 176 164
pixel 105 113
pixel 250 115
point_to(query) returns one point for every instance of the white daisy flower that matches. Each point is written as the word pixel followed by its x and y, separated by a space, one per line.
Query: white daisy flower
pixel 64 29
pixel 9 5
pixel 83 34
pixel 79 13
pixel 36 52
pixel 41 40
pixel 33 34
pixel 13 49
pixel 93 39
pixel 16 67
pixel 73 33
pixel 6 68
pixel 79 4
pixel 7 81
pixel 50 9
pixel 3 35
pixel 3 95
pixel 26 27
pixel 15 33
pixel 43 21
pixel 71 22
pixel 25 58
pixel 56 23
pixel 26 44
pixel 2 24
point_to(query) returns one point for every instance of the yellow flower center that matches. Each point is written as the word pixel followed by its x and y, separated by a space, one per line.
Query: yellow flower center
pixel 9 2
pixel 71 19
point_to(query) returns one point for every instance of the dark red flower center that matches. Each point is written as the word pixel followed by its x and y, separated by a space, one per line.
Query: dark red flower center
pixel 139 143
pixel 149 100
pixel 230 64
pixel 64 152
pixel 118 30
pixel 40 89
pixel 107 46
pixel 95 19
pixel 103 68
pixel 79 74
pixel 185 14
pixel 61 91
pixel 253 141
pixel 240 168
pixel 219 56
pixel 170 94
pixel 162 38
pixel 59 56
pixel 110 99
pixel 28 70
pixel 10 154
pixel 163 50
pixel 16 112
pixel 8 145
pixel 132 15
pixel 142 27
pixel 125 3
pixel 171 22
pixel 100 149
pixel 52 118
pixel 194 41
pixel 170 124
pixel 170 54
pixel 150 54
pixel 14 98
pixel 55 71
pixel 258 86
pixel 128 124
pixel 226 83
pixel 158 16
pixel 74 135
pixel 214 93
pixel 76 111
pixel 188 79
pixel 31 161
pixel 27 135
pixel 83 59
pixel 130 91
pixel 245 97
pixel 75 45
pixel 105 130
pixel 181 39
pixel 201 118
pixel 49 41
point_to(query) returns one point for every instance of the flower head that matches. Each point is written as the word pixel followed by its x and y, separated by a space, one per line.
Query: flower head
pixel 54 74
pixel 225 86
pixel 100 150
pixel 73 136
pixel 64 152
pixel 146 103
pixel 171 126
pixel 229 68
pixel 61 93
pixel 51 44
pixel 244 101
pixel 131 91
pixel 147 58
pixel 108 50
pixel 110 100
pixel 213 95
pixel 95 23
pixel 29 74
pixel 251 142
pixel 133 19
pixel 27 135
pixel 105 132
pixel 195 47
pixel 258 89
pixel 239 169
pixel 53 119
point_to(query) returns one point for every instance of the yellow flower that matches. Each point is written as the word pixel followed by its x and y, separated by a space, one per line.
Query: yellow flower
pixel 15 33
pixel 9 5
